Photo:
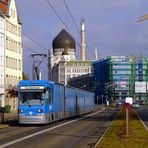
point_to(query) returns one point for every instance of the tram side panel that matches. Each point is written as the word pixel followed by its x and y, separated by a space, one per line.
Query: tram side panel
pixel 70 102
pixel 58 102
pixel 80 102
pixel 93 101
pixel 87 102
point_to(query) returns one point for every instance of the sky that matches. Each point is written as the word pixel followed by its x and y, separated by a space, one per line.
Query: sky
pixel 111 27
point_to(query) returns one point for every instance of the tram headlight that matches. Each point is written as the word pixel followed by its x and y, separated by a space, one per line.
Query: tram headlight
pixel 40 110
pixel 21 111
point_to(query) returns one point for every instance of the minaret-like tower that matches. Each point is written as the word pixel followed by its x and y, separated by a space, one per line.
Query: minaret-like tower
pixel 83 45
pixel 50 63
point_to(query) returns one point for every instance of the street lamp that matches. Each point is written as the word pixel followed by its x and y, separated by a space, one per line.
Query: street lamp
pixel 102 99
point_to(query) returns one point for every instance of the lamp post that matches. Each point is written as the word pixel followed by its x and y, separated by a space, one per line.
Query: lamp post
pixel 102 99
pixel 110 92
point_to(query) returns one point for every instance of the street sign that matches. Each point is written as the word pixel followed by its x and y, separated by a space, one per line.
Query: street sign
pixel 140 87
pixel 126 106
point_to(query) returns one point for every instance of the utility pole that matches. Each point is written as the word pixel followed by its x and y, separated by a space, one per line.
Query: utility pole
pixel 37 60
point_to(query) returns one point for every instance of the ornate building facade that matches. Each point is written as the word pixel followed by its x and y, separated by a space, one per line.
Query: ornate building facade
pixel 62 61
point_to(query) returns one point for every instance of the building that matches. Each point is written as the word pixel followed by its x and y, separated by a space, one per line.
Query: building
pixel 117 77
pixel 62 59
pixel 65 70
pixel 10 53
pixel 82 82
pixel 62 62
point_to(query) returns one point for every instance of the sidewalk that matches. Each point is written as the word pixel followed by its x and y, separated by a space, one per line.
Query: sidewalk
pixel 8 117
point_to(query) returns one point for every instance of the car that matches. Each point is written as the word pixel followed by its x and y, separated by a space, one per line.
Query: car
pixel 119 102
pixel 135 105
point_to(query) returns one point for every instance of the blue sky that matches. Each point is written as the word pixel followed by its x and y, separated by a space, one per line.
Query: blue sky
pixel 111 26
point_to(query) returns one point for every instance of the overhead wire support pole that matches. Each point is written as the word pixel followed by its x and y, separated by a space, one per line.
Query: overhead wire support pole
pixel 36 64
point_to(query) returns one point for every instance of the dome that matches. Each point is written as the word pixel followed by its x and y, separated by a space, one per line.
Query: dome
pixel 63 40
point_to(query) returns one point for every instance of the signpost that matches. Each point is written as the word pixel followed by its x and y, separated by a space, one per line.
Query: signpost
pixel 127 106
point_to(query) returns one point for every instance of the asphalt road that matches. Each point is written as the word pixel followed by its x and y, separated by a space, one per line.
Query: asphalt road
pixel 143 114
pixel 72 133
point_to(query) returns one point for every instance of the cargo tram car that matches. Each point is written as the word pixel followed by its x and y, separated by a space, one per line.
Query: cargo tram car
pixel 42 102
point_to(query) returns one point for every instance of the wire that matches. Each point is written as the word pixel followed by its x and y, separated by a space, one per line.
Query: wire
pixel 56 13
pixel 29 48
pixel 65 23
pixel 44 48
pixel 71 16
pixel 60 18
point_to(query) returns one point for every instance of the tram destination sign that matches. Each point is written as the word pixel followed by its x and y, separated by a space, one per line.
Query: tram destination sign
pixel 32 87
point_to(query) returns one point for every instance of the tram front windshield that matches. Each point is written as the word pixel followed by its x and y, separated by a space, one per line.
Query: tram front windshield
pixel 32 97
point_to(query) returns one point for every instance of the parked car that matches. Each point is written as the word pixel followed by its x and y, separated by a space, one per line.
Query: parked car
pixel 119 102
pixel 141 102
pixel 135 105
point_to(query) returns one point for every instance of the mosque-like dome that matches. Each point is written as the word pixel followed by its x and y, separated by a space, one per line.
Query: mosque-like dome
pixel 63 41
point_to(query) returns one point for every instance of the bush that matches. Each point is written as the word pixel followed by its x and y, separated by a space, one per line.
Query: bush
pixel 7 109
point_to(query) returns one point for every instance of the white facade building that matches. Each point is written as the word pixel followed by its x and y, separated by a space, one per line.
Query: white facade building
pixel 10 53
pixel 2 21
pixel 62 61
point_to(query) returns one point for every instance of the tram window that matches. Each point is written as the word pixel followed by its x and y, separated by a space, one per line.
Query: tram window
pixel 48 96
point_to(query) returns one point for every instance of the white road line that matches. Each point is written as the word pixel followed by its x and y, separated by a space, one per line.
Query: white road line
pixel 142 121
pixel 104 133
pixel 49 129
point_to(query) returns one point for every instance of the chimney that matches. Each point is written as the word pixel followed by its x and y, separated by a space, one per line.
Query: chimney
pixel 83 45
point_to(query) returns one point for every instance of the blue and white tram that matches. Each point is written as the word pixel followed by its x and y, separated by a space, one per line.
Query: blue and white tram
pixel 42 102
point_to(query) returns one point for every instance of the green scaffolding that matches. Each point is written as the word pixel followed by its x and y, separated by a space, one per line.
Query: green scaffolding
pixel 132 78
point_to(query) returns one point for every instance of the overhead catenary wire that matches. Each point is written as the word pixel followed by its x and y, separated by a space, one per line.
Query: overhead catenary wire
pixel 58 16
pixel 71 16
pixel 66 5
pixel 29 48
pixel 39 45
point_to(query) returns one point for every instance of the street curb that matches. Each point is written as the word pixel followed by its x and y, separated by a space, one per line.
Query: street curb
pixel 103 135
pixel 3 126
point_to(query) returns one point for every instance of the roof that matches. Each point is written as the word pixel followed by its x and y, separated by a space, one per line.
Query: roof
pixel 4 5
pixel 79 63
pixel 63 40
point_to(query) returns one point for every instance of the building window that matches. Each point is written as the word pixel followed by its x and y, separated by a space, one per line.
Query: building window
pixel 19 31
pixel 19 64
pixel 1 40
pixel 1 24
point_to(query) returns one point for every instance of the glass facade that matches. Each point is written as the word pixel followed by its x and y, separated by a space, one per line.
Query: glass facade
pixel 114 78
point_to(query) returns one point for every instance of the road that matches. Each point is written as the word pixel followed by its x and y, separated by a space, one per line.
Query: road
pixel 72 133
pixel 143 114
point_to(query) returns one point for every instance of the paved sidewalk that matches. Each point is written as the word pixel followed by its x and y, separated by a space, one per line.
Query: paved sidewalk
pixel 8 117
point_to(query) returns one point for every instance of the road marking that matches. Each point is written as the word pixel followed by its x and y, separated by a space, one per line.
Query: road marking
pixel 49 129
pixel 142 121
pixel 104 132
